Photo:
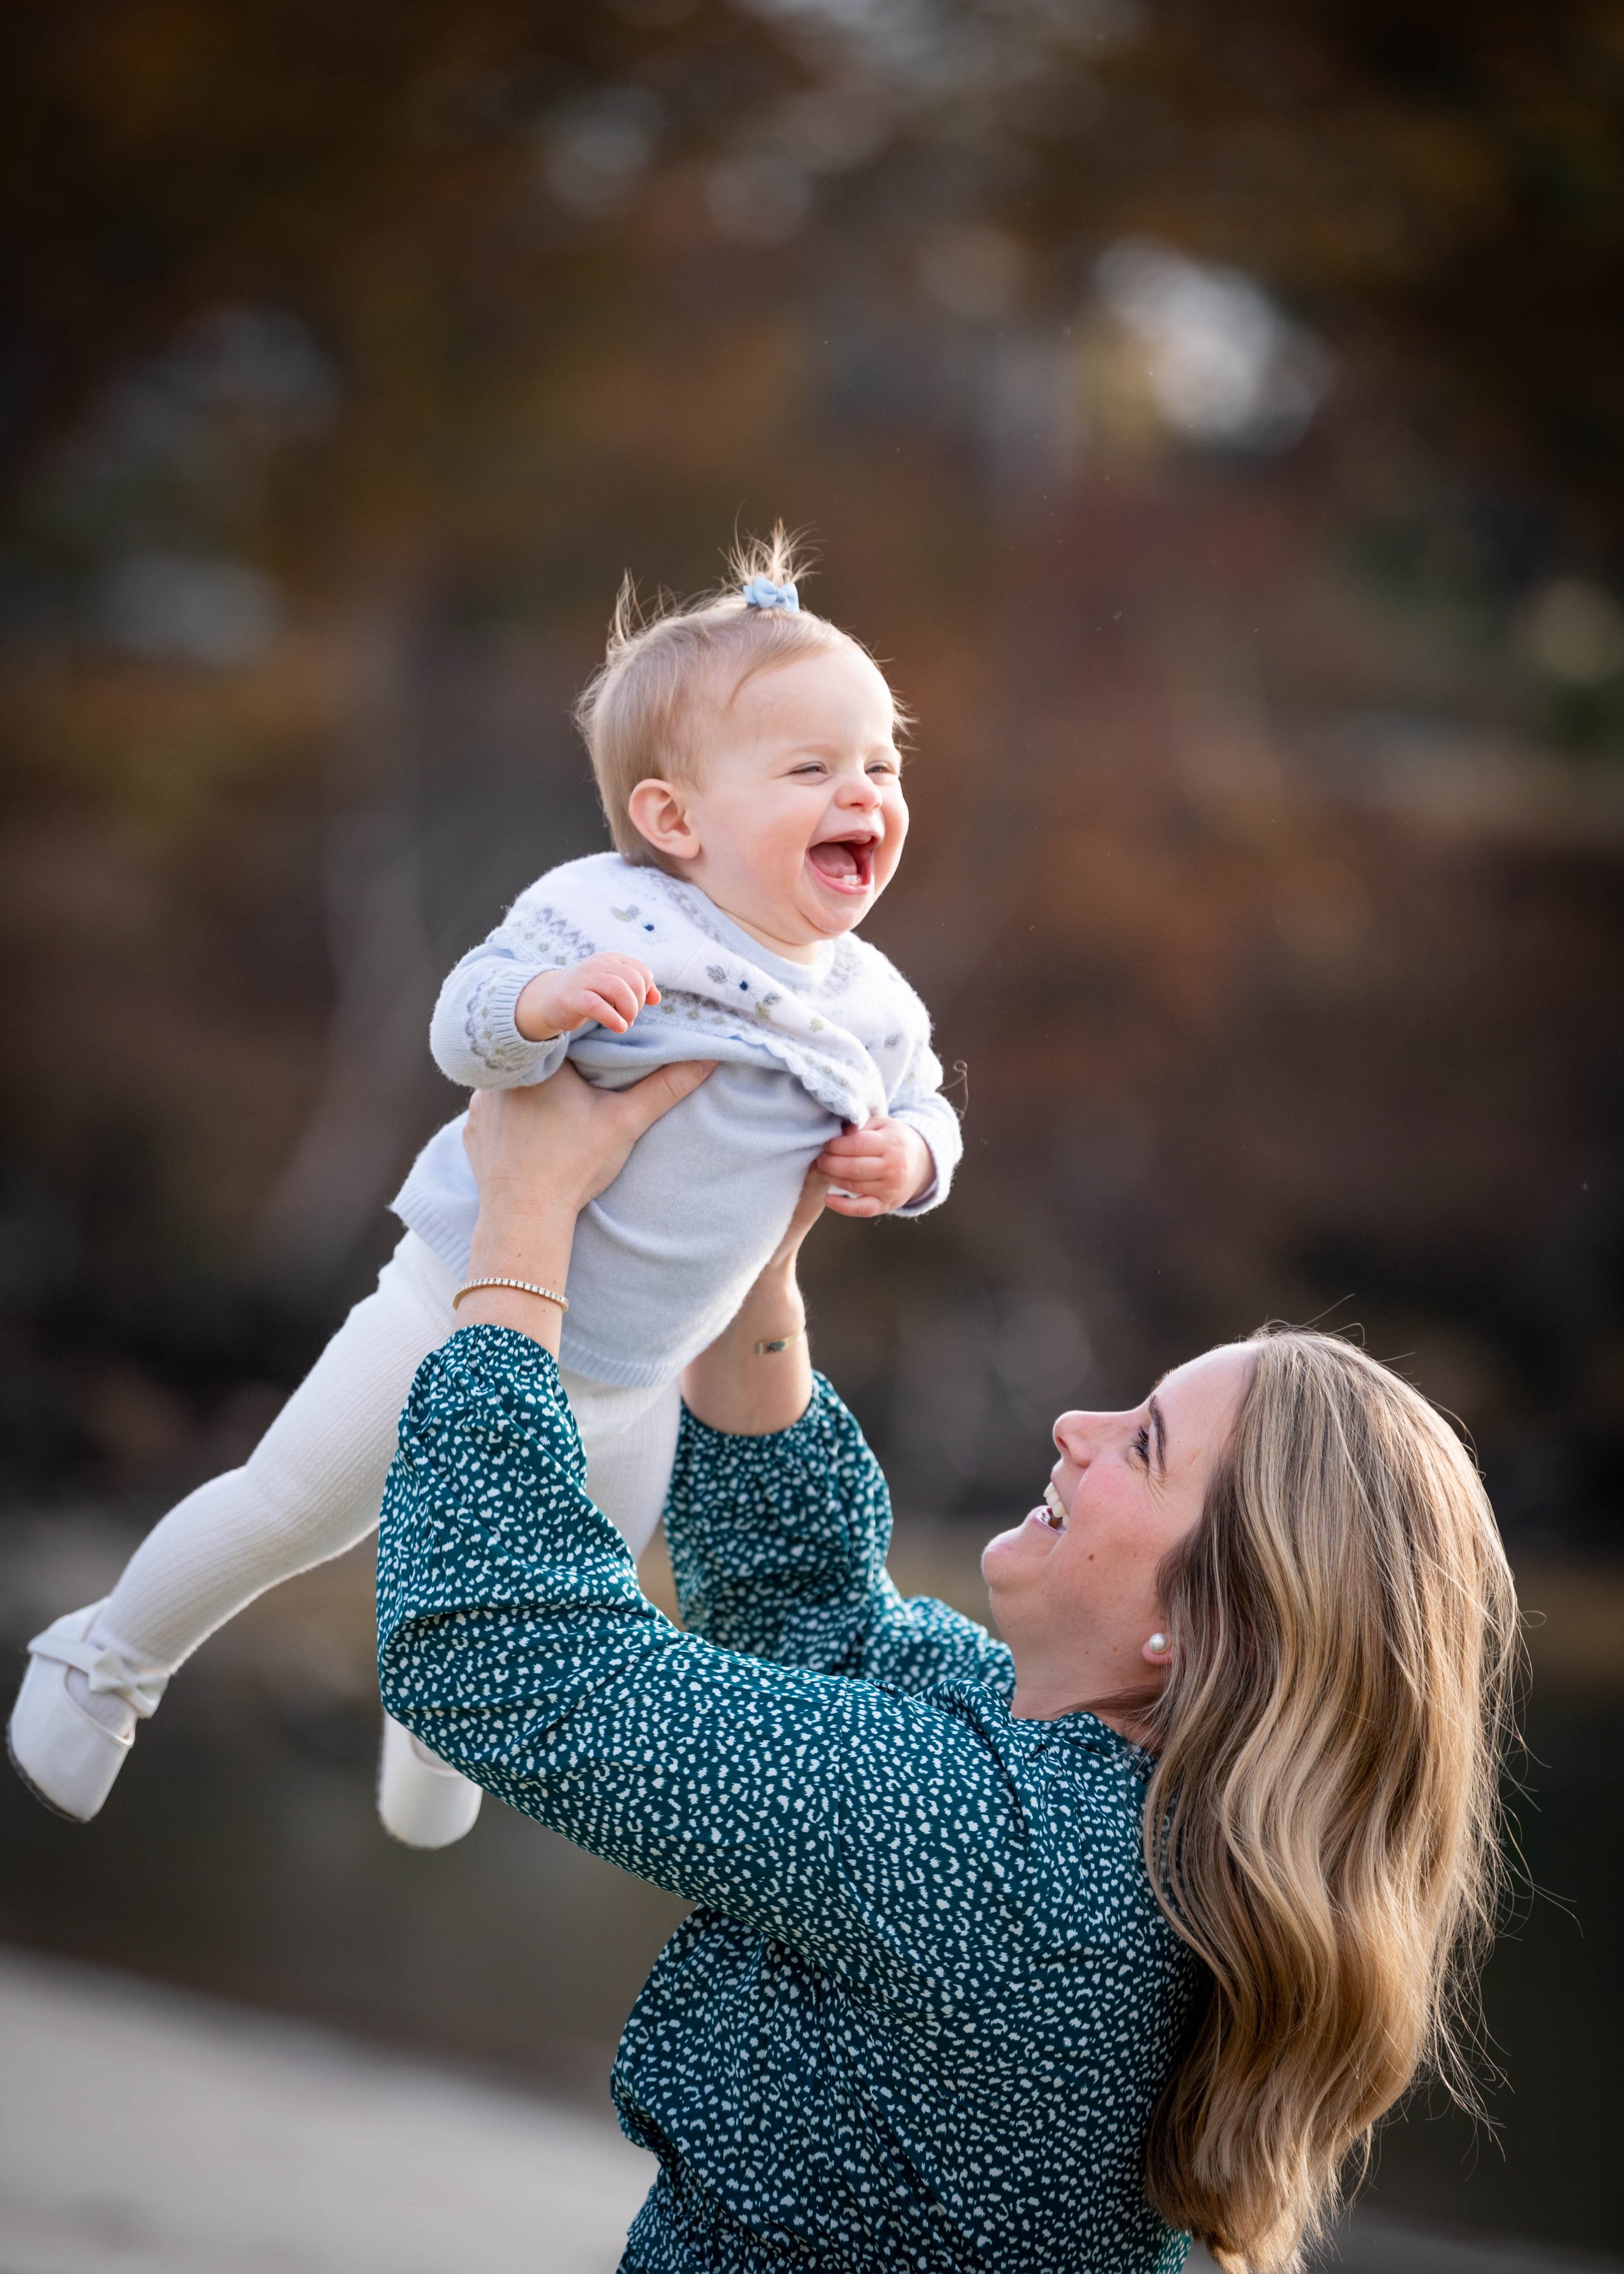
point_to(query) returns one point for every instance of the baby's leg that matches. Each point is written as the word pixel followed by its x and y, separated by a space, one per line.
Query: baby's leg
pixel 312 1488
pixel 629 1437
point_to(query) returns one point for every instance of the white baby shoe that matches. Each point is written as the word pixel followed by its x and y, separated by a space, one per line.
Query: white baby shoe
pixel 65 1754
pixel 423 1801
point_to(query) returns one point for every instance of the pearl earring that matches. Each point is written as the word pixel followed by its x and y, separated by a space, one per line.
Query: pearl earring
pixel 1156 1644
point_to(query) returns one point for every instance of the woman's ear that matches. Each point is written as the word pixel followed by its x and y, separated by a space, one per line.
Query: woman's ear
pixel 659 812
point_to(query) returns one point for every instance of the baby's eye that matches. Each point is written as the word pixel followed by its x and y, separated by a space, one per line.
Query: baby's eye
pixel 813 766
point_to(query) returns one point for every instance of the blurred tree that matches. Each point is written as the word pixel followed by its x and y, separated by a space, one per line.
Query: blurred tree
pixel 354 353
pixel 1443 186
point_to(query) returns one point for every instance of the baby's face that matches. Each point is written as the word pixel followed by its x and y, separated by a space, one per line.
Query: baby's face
pixel 799 815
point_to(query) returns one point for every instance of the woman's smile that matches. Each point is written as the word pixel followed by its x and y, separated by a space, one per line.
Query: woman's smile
pixel 1052 1514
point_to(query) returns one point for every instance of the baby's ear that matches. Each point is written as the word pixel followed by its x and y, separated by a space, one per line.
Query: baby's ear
pixel 658 811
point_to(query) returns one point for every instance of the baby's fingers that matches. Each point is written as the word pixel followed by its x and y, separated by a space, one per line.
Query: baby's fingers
pixel 852 1168
pixel 854 1204
pixel 625 994
pixel 626 970
pixel 600 1004
pixel 859 1145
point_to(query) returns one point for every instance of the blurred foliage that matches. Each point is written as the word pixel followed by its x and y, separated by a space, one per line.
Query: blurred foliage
pixel 1444 185
pixel 1212 412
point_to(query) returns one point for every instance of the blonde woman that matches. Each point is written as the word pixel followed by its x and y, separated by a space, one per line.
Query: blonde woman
pixel 1042 1954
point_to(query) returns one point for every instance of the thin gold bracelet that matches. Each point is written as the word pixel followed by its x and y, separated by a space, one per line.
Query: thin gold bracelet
pixel 520 1286
pixel 781 1343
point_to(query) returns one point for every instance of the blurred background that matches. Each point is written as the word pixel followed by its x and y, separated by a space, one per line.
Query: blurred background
pixel 1211 412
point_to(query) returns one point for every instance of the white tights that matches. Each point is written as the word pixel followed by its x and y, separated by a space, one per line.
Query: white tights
pixel 313 1485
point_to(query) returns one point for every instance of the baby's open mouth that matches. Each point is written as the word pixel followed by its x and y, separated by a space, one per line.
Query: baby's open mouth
pixel 845 862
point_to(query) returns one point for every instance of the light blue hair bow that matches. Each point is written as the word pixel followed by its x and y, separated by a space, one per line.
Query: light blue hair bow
pixel 762 592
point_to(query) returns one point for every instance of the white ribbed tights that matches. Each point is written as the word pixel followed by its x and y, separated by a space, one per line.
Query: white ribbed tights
pixel 313 1485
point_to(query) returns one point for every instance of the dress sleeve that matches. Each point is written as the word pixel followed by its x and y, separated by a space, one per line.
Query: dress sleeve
pixel 777 1546
pixel 472 1035
pixel 513 1640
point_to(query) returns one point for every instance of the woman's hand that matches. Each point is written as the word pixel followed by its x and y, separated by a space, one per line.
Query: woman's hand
pixel 757 1376
pixel 539 1155
pixel 566 1135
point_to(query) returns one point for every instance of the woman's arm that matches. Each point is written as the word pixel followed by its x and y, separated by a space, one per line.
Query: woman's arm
pixel 757 1376
pixel 778 1545
pixel 778 1518
pixel 513 1640
pixel 539 1155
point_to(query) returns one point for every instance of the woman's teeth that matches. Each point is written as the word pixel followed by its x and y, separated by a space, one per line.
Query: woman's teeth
pixel 1055 1518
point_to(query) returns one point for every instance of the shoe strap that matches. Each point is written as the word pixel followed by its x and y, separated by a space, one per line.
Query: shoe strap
pixel 104 1670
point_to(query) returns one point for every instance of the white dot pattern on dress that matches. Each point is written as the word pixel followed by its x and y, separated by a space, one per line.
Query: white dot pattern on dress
pixel 924 2010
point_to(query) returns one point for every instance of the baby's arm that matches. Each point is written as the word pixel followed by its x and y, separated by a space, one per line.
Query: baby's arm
pixel 504 1015
pixel 900 1161
pixel 877 1168
pixel 609 988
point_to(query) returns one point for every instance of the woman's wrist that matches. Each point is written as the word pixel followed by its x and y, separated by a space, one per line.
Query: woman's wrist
pixel 756 1379
pixel 522 1242
pixel 527 1313
pixel 530 1243
pixel 539 1154
pixel 774 1309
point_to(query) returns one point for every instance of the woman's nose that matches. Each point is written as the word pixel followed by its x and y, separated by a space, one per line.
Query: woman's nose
pixel 1076 1436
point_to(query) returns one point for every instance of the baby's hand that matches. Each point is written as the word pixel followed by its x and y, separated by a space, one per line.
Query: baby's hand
pixel 611 988
pixel 882 1166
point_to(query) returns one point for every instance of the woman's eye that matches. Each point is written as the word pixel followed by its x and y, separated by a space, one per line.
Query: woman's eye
pixel 1141 1443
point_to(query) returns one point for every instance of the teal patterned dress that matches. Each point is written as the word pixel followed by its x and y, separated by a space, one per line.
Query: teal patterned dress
pixel 926 2002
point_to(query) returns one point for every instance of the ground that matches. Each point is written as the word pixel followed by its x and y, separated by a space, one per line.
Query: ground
pixel 148 2131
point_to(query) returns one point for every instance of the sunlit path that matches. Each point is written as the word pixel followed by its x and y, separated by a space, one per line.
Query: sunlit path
pixel 143 2131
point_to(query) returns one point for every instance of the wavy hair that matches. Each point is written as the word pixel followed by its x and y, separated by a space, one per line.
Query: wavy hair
pixel 1323 1826
pixel 642 712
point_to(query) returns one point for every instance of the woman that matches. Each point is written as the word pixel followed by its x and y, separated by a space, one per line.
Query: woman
pixel 1032 1955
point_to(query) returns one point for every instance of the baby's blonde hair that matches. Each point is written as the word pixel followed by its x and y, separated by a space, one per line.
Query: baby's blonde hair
pixel 639 713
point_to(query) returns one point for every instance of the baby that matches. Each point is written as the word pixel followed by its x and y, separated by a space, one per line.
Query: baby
pixel 745 751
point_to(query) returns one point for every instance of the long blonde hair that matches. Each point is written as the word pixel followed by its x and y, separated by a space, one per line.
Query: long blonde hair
pixel 642 711
pixel 1323 1826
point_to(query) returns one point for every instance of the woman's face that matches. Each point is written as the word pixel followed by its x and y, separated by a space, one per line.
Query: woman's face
pixel 1074 1587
